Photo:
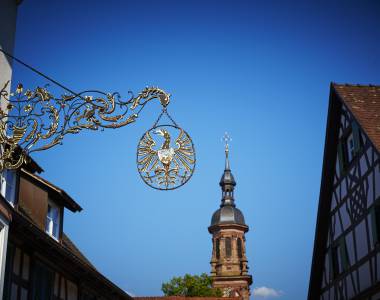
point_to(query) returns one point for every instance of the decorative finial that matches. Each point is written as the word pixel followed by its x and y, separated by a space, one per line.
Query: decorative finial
pixel 226 139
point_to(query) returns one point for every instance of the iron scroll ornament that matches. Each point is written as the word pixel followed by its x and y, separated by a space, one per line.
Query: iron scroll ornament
pixel 35 120
pixel 167 162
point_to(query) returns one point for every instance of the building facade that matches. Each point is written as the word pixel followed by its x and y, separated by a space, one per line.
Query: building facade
pixel 346 257
pixel 229 264
pixel 42 263
pixel 8 14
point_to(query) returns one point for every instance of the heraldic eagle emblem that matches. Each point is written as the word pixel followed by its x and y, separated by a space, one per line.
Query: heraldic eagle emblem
pixel 165 164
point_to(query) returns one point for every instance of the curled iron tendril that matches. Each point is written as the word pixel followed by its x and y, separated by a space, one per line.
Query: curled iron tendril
pixel 35 120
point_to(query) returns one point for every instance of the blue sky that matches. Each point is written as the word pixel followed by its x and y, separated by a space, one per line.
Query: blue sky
pixel 258 69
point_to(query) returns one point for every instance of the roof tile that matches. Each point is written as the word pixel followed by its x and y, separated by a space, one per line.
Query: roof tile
pixel 364 102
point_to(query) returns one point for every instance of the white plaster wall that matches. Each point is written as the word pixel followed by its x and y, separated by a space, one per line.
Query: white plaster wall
pixel 8 13
pixel 3 251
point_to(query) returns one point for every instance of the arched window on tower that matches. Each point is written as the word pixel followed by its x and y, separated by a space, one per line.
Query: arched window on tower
pixel 239 248
pixel 228 246
pixel 217 248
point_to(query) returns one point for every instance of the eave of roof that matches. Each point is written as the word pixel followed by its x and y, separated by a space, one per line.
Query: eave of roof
pixel 66 253
pixel 67 201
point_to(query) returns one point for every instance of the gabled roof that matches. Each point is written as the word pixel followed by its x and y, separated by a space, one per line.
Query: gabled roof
pixel 364 103
pixel 66 200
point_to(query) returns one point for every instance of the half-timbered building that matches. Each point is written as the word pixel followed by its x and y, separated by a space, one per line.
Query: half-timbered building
pixel 346 258
pixel 41 262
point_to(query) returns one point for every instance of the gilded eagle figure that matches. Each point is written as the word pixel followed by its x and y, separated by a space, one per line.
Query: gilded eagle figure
pixel 166 166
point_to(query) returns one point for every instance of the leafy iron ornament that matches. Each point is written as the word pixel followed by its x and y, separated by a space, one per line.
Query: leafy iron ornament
pixel 35 120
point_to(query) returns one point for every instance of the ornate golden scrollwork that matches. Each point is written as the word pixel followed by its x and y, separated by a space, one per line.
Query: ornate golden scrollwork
pixel 35 120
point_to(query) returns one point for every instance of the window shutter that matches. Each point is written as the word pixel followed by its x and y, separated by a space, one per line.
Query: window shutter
pixel 356 134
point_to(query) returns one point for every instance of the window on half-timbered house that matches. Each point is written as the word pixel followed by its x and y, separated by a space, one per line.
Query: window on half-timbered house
pixel 18 274
pixel 339 257
pixel 64 289
pixel 43 280
pixel 349 146
pixel 375 224
pixel 8 185
pixel 53 220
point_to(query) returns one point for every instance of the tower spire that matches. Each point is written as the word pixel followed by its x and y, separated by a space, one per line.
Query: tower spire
pixel 229 264
pixel 227 182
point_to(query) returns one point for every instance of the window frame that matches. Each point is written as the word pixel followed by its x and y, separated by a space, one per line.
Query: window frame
pixel 14 279
pixel 48 220
pixel 339 258
pixel 344 153
pixel 5 183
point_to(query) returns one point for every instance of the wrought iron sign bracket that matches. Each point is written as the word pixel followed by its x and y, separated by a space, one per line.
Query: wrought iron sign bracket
pixel 36 120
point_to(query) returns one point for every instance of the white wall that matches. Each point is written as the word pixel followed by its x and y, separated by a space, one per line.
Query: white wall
pixel 3 251
pixel 8 12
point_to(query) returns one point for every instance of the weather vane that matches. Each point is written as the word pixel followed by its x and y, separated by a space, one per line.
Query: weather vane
pixel 226 139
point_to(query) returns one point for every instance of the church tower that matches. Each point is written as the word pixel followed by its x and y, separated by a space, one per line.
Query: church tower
pixel 229 264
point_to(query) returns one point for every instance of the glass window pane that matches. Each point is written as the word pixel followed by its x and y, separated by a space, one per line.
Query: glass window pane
pixel 24 294
pixel 25 268
pixel 14 291
pixel 63 289
pixel 16 261
pixel 72 291
pixel 56 284
pixel 52 220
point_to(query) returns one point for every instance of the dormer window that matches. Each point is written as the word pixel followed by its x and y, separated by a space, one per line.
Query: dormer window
pixel 53 220
pixel 8 185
